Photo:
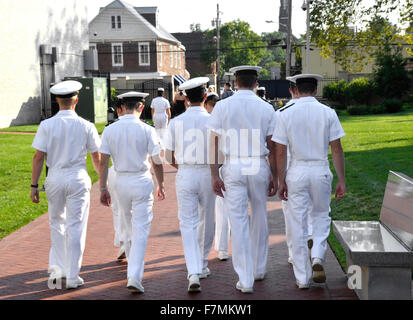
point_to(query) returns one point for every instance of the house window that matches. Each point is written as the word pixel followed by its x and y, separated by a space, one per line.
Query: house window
pixel 119 22
pixel 171 54
pixel 117 55
pixel 160 55
pixel 144 59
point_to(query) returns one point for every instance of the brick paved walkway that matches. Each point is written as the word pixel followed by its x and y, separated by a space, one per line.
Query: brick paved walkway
pixel 24 257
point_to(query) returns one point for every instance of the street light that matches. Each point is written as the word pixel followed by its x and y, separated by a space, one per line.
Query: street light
pixel 306 7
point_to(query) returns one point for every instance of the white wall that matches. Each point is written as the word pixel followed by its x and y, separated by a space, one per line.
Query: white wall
pixel 25 25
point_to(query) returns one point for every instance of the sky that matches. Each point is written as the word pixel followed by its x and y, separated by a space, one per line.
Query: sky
pixel 177 16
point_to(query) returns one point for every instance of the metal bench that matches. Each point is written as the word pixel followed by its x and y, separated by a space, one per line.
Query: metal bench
pixel 383 249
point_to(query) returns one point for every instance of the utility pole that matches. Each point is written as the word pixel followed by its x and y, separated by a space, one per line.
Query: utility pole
pixel 218 24
pixel 288 58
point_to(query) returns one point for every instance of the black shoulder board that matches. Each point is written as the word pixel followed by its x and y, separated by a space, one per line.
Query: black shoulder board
pixel 286 107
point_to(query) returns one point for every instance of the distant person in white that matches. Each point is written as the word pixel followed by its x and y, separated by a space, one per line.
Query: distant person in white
pixel 222 227
pixel 187 150
pixel 294 99
pixel 66 139
pixel 131 143
pixel 248 123
pixel 161 113
pixel 308 128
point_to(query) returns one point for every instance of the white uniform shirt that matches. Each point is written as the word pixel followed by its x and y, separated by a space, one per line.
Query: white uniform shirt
pixel 188 136
pixel 160 104
pixel 66 138
pixel 243 121
pixel 307 127
pixel 130 142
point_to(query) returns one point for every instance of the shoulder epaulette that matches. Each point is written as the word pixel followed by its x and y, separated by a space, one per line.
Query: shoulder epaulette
pixel 286 107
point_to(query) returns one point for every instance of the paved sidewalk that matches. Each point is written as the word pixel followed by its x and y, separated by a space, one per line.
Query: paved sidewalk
pixel 24 257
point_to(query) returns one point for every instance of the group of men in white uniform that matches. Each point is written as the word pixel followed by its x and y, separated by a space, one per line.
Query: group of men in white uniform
pixel 237 154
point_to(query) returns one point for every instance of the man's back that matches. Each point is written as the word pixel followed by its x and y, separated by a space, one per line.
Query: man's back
pixel 66 138
pixel 310 127
pixel 160 104
pixel 245 121
pixel 130 141
pixel 188 136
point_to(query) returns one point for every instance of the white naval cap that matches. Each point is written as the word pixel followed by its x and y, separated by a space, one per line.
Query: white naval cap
pixel 245 69
pixel 211 86
pixel 66 89
pixel 306 76
pixel 194 83
pixel 161 89
pixel 211 94
pixel 261 89
pixel 133 94
pixel 291 79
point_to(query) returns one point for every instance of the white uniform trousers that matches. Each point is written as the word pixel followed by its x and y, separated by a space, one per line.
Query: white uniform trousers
pixel 160 121
pixel 68 194
pixel 196 202
pixel 249 243
pixel 135 195
pixel 309 194
pixel 222 226
pixel 288 228
pixel 118 226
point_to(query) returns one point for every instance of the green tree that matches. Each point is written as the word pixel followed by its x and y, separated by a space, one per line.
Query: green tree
pixel 390 75
pixel 332 22
pixel 274 55
pixel 239 46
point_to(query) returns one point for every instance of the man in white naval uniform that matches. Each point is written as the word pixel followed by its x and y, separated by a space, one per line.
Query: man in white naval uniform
pixel 65 140
pixel 161 113
pixel 244 124
pixel 186 147
pixel 118 225
pixel 131 143
pixel 308 128
pixel 292 90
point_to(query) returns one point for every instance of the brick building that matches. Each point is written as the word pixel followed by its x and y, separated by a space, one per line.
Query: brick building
pixel 194 42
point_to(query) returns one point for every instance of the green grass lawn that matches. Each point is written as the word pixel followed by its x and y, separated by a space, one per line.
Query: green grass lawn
pixel 16 208
pixel 373 145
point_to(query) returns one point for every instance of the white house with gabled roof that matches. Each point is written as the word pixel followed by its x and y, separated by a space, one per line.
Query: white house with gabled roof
pixel 131 43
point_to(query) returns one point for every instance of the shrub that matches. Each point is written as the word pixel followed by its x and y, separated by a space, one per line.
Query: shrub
pixel 378 109
pixel 335 91
pixel 358 110
pixel 359 91
pixel 409 98
pixel 392 105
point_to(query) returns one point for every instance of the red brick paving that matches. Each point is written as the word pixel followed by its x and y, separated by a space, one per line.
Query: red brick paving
pixel 24 257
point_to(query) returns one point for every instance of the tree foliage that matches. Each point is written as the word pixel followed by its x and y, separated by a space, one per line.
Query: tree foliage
pixel 332 22
pixel 390 75
pixel 239 46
